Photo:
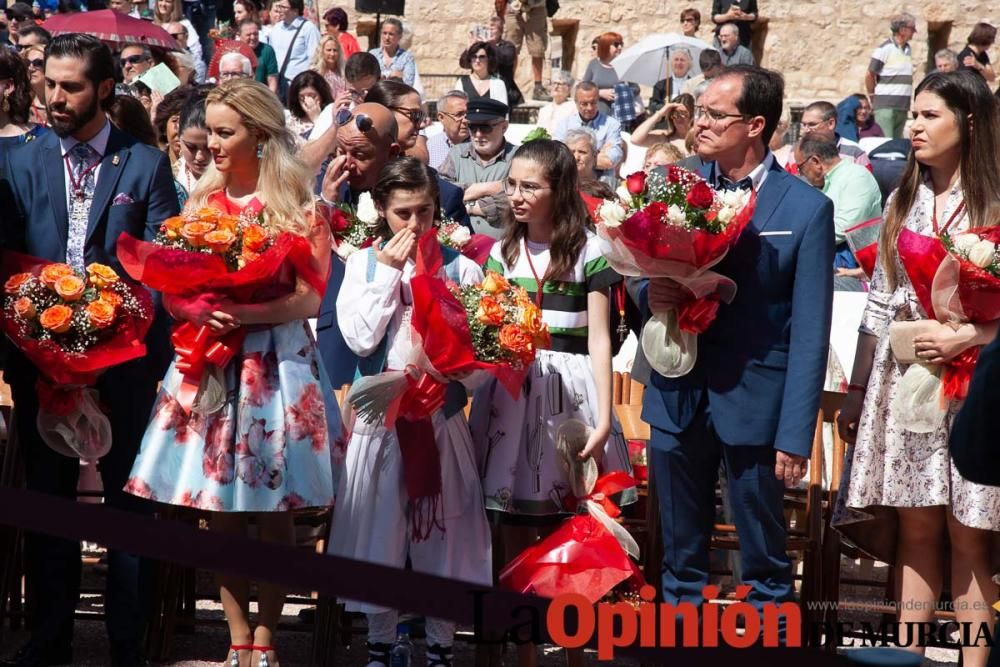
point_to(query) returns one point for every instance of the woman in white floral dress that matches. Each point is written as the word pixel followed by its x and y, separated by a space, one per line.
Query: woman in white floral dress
pixel 901 498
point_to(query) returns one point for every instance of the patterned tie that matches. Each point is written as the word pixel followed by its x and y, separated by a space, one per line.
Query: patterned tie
pixel 83 160
pixel 743 184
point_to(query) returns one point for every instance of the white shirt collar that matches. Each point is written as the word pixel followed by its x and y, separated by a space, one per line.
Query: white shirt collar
pixel 757 175
pixel 98 142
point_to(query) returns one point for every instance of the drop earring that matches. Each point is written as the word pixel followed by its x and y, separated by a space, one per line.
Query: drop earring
pixel 260 151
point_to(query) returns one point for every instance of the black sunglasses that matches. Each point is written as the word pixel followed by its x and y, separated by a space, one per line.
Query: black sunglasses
pixel 485 128
pixel 37 63
pixel 416 116
pixel 133 60
pixel 361 121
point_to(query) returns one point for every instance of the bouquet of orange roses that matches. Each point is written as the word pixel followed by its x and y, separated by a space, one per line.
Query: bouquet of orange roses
pixel 72 325
pixel 210 253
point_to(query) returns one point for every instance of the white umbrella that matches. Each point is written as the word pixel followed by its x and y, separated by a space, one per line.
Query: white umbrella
pixel 648 61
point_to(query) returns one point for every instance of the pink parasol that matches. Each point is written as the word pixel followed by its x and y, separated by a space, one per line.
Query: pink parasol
pixel 111 26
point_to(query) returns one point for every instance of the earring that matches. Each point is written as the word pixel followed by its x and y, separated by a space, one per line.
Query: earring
pixel 5 105
pixel 260 149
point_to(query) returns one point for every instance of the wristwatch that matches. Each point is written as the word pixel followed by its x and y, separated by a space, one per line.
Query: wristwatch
pixel 469 206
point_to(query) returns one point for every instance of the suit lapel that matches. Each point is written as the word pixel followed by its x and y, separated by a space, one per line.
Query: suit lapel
pixel 769 198
pixel 55 177
pixel 112 164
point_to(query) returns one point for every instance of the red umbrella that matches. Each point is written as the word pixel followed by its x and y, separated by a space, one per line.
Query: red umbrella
pixel 110 26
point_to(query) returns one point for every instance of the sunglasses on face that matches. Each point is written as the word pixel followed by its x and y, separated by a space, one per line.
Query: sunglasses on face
pixel 478 56
pixel 483 128
pixel 618 44
pixel 361 121
pixel 133 60
pixel 416 116
pixel 37 63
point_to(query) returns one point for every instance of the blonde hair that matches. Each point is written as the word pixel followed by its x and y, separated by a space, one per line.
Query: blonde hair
pixel 671 151
pixel 175 14
pixel 284 182
pixel 319 64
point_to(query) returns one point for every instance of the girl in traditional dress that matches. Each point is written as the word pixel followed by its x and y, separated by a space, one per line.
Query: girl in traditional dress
pixel 901 498
pixel 379 516
pixel 548 249
pixel 267 449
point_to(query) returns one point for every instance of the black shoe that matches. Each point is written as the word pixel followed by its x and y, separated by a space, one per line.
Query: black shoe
pixel 33 655
pixel 127 655
pixel 378 654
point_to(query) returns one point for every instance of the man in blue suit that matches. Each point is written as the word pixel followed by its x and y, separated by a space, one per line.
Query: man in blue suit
pixel 751 399
pixel 366 142
pixel 66 198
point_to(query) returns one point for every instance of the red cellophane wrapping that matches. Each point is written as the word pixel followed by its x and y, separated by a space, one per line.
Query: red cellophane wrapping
pixel 582 556
pixel 70 419
pixel 951 289
pixel 188 274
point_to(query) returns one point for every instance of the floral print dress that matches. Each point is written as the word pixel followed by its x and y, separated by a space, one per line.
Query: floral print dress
pixel 269 448
pixel 891 467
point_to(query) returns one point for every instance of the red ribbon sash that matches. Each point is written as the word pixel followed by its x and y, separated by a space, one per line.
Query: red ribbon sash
pixel 196 347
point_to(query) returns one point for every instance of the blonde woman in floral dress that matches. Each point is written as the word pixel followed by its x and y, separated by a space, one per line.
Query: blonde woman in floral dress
pixel 268 449
pixel 901 498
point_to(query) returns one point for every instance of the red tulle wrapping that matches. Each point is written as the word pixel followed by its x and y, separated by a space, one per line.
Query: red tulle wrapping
pixel 695 316
pixel 581 557
pixel 976 295
pixel 440 320
pixel 66 368
pixel 58 401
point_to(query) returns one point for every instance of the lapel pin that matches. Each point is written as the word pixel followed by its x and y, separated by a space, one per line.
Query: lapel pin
pixel 115 160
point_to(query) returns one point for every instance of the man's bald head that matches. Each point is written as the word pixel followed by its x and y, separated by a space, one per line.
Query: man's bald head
pixel 368 150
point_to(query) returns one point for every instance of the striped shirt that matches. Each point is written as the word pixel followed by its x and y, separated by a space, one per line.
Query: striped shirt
pixel 893 70
pixel 564 302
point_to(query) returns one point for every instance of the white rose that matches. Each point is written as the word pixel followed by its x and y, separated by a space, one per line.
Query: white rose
pixel 345 250
pixel 964 242
pixel 366 212
pixel 726 214
pixel 675 215
pixel 982 253
pixel 624 194
pixel 734 199
pixel 460 236
pixel 612 213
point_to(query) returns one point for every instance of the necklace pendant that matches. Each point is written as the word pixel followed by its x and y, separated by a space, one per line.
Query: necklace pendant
pixel 80 195
pixel 622 331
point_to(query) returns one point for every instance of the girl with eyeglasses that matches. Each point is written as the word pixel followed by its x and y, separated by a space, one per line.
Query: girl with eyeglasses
pixel 601 72
pixel 547 247
pixel 378 519
pixel 15 104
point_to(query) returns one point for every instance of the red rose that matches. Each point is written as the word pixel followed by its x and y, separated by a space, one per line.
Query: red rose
pixel 636 183
pixel 674 174
pixel 338 221
pixel 700 195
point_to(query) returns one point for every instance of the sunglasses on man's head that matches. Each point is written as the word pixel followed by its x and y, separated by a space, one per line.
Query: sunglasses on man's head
pixel 133 60
pixel 361 121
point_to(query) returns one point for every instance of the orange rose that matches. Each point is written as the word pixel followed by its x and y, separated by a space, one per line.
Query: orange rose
pixel 70 288
pixel 516 340
pixel 194 232
pixel 220 240
pixel 494 283
pixel 542 338
pixel 57 319
pixel 53 272
pixel 490 312
pixel 247 257
pixel 101 314
pixel 25 308
pixel 171 227
pixel 255 238
pixel 531 317
pixel 101 276
pixel 15 281
pixel 206 214
pixel 111 297
pixel 229 222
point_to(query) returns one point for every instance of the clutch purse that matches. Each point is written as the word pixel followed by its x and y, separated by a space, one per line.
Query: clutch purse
pixel 902 334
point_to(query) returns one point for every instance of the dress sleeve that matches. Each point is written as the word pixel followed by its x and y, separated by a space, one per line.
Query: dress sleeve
pixel 597 273
pixel 365 307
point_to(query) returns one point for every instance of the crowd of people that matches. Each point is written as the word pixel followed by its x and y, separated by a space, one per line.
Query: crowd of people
pixel 279 120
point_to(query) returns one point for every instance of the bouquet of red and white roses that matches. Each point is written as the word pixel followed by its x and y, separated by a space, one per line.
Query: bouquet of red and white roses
pixel 675 226
pixel 474 246
pixel 353 226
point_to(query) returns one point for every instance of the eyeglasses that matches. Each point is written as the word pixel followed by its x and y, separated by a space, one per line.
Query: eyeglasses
pixel 37 63
pixel 483 128
pixel 460 116
pixel 809 127
pixel 716 116
pixel 133 60
pixel 416 116
pixel 528 191
pixel 226 76
pixel 361 121
pixel 560 83
pixel 479 56
pixel 358 94
pixel 282 7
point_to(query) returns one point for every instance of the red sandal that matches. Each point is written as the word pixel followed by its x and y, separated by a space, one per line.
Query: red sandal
pixel 264 662
pixel 234 658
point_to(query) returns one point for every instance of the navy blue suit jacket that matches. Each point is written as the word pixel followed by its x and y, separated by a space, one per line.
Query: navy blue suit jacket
pixel 762 362
pixel 35 217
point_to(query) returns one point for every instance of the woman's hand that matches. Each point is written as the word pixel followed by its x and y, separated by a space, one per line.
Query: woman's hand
pixel 342 101
pixel 607 94
pixel 397 250
pixel 311 106
pixel 945 344
pixel 598 438
pixel 204 310
pixel 850 415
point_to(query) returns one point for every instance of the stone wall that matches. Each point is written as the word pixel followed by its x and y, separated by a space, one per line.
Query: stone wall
pixel 822 48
